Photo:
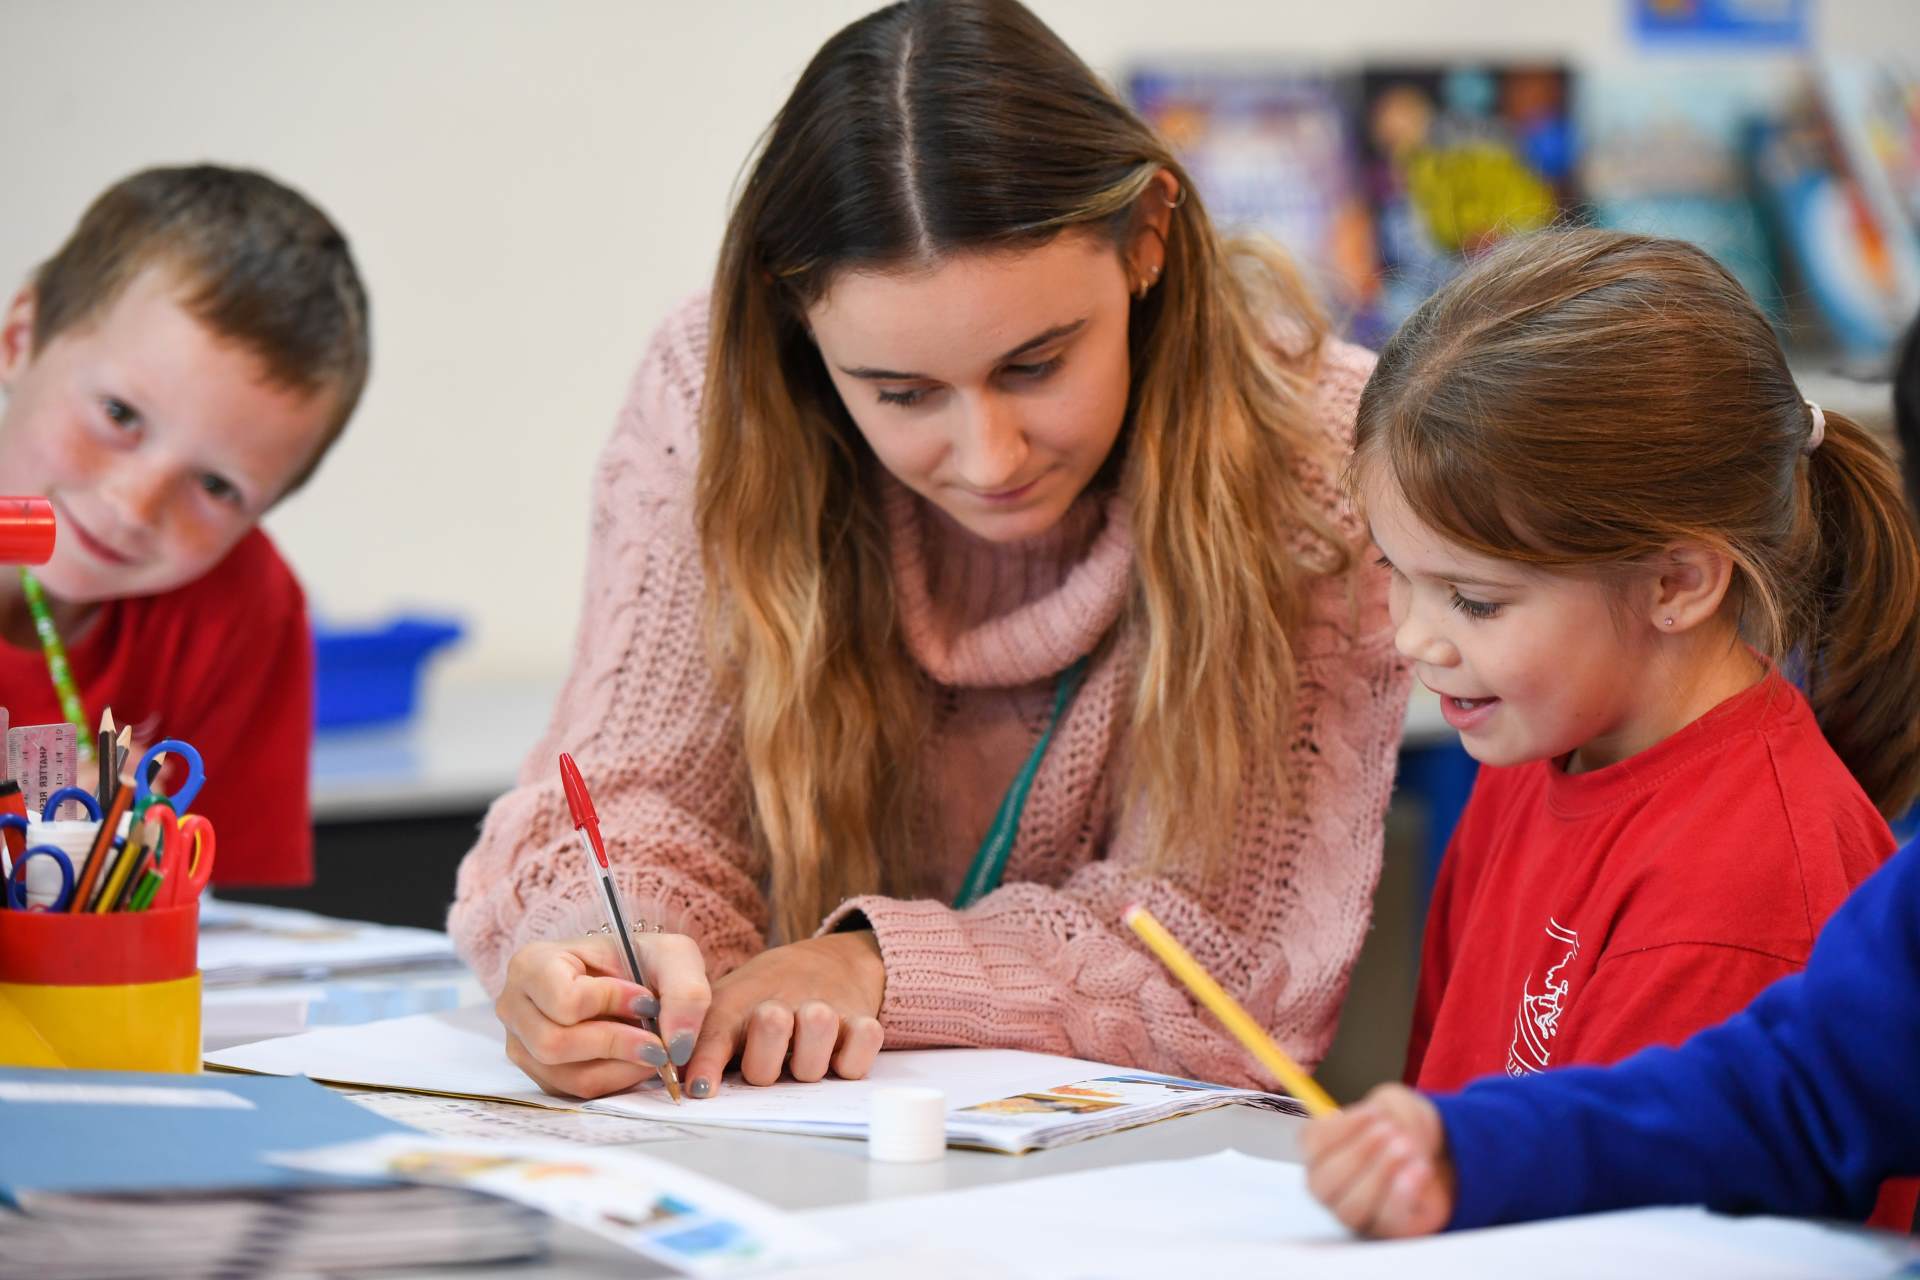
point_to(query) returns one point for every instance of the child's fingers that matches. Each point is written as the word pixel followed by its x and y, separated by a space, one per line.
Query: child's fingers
pixel 1333 1174
pixel 1413 1113
pixel 1417 1202
pixel 1325 1133
pixel 1364 1199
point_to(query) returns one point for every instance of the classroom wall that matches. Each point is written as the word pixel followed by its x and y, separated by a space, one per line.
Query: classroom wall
pixel 529 187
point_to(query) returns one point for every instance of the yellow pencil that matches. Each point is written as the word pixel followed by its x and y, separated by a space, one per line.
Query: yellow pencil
pixel 1228 1010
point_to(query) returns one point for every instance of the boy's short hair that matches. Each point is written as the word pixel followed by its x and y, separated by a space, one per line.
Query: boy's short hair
pixel 262 266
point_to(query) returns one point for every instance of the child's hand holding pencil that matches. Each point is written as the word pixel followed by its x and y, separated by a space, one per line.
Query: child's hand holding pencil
pixel 1381 1165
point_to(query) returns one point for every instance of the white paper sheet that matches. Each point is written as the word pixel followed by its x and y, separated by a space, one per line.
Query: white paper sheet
pixel 1234 1214
pixel 459 1051
pixel 462 1052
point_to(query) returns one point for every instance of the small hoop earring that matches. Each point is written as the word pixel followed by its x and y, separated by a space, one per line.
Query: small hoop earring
pixel 1179 199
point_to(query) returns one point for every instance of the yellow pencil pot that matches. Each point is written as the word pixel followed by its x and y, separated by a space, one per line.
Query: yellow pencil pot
pixel 114 992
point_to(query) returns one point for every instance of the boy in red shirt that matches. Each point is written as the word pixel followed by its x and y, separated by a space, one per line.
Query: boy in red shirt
pixel 177 368
pixel 1612 522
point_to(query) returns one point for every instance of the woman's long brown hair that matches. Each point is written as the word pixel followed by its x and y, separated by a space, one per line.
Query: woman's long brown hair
pixel 935 128
pixel 1585 400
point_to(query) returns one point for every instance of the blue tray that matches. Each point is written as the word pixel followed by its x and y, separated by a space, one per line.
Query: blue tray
pixel 371 675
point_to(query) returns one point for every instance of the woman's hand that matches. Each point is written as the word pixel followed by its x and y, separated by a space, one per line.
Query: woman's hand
pixel 1381 1165
pixel 569 1010
pixel 809 1006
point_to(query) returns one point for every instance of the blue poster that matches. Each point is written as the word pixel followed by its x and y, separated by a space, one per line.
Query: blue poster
pixel 1772 24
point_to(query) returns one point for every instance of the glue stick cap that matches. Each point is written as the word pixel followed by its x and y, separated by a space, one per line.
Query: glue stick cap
pixel 908 1123
pixel 26 530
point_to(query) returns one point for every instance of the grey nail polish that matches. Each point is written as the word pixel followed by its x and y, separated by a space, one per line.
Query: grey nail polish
pixel 653 1055
pixel 681 1047
pixel 646 1006
pixel 700 1088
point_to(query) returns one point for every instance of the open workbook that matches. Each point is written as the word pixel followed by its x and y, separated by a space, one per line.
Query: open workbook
pixel 997 1099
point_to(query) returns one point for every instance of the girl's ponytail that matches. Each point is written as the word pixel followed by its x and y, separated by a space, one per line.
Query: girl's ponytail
pixel 1863 648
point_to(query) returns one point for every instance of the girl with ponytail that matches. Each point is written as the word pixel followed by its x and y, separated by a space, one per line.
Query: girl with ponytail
pixel 1673 609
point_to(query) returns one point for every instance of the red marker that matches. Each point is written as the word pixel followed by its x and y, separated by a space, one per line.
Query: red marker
pixel 26 531
pixel 586 824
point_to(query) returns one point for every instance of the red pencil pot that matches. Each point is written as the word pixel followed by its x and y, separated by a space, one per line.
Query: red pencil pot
pixel 114 992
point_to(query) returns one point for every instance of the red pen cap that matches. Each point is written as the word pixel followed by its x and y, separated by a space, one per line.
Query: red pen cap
pixel 26 530
pixel 579 803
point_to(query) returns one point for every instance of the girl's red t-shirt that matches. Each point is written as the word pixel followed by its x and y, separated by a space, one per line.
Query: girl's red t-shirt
pixel 1578 918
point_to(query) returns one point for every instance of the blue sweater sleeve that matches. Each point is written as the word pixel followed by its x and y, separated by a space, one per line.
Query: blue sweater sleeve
pixel 1801 1104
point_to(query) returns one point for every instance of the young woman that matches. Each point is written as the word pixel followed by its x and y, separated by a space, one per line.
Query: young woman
pixel 970 565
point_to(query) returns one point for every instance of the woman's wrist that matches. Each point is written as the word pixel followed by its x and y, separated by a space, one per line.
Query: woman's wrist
pixel 859 949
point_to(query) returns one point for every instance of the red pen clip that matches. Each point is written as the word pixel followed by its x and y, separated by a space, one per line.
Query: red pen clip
pixel 580 804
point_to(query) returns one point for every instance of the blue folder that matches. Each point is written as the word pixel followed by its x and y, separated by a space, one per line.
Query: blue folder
pixel 119 1132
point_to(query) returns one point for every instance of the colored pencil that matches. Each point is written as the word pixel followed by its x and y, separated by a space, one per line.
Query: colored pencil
pixel 1236 1019
pixel 105 760
pixel 133 860
pixel 116 809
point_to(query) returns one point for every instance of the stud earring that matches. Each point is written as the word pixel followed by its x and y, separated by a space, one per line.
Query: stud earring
pixel 1668 621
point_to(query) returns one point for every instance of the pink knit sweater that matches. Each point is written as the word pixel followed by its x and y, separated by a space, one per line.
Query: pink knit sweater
pixel 1043 963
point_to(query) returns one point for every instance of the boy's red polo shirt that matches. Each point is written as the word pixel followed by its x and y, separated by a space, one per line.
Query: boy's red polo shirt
pixel 225 663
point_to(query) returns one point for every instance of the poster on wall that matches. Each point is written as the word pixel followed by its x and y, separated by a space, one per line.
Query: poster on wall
pixel 1453 160
pixel 1270 152
pixel 1773 24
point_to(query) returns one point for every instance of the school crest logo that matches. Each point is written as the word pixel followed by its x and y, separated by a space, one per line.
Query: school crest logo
pixel 1541 1005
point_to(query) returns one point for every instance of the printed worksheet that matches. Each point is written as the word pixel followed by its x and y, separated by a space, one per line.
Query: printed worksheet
pixel 480 1118
pixel 655 1209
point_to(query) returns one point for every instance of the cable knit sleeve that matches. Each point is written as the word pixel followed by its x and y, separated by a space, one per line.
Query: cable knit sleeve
pixel 640 713
pixel 1046 964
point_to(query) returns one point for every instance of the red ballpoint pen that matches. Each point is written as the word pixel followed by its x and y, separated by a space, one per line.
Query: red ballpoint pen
pixel 586 824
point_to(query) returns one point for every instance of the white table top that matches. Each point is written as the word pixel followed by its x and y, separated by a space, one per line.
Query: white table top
pixel 795 1173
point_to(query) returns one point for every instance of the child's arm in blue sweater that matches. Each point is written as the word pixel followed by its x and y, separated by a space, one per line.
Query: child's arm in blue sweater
pixel 1802 1104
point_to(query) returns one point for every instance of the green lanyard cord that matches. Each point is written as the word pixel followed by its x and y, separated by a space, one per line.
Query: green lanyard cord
pixel 57 665
pixel 990 860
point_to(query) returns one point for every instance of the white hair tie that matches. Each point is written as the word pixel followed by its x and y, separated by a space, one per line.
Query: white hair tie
pixel 1819 431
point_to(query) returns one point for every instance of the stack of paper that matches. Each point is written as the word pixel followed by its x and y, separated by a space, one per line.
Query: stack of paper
pixel 109 1174
pixel 241 943
pixel 657 1210
pixel 1000 1100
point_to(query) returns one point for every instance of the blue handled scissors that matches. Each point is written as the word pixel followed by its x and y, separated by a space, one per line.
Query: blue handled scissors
pixel 16 881
pixel 143 792
pixel 81 797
